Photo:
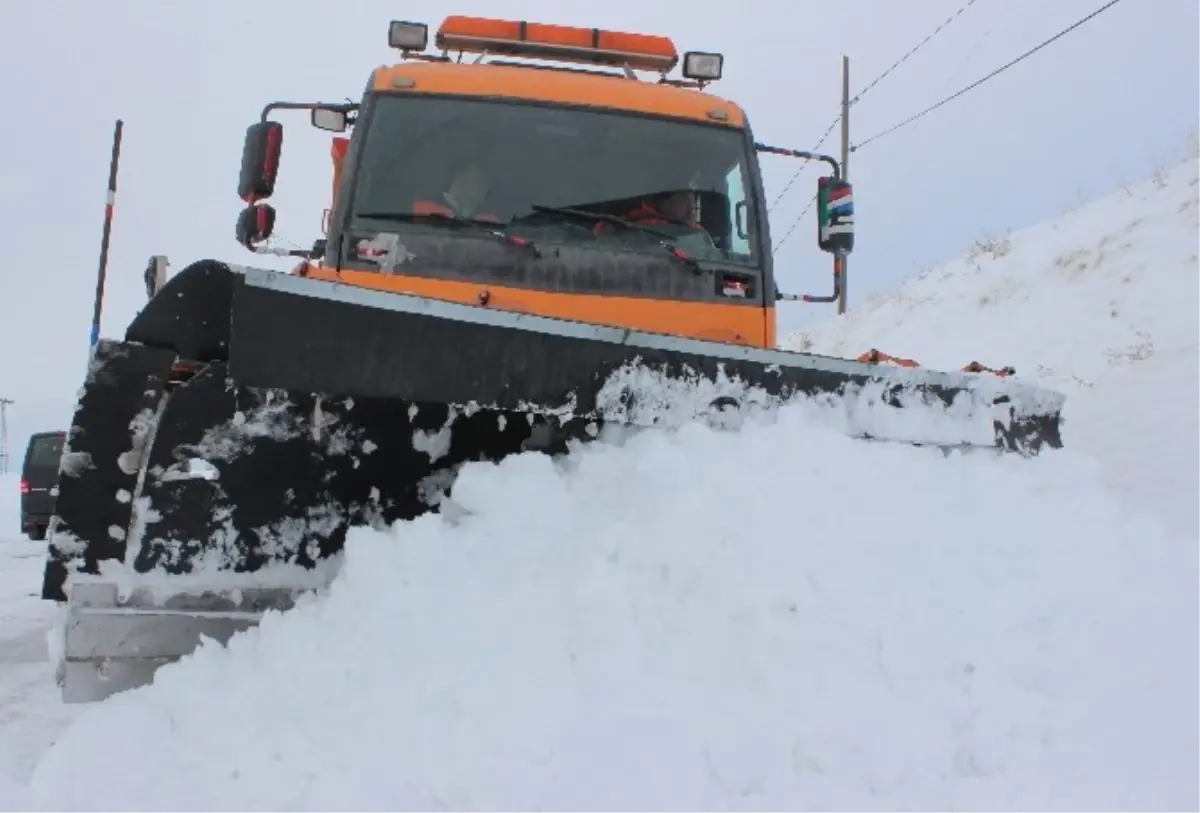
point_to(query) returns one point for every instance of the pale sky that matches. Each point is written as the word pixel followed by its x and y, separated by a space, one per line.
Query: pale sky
pixel 1100 108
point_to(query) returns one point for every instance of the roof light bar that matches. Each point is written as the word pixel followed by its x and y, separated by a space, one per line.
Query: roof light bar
pixel 566 43
pixel 406 36
pixel 702 66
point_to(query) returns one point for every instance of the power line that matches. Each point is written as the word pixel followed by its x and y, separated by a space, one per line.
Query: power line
pixel 795 223
pixel 914 49
pixel 800 169
pixel 979 82
pixel 856 98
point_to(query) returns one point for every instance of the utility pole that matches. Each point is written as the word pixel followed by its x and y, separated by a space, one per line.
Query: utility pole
pixel 4 402
pixel 841 305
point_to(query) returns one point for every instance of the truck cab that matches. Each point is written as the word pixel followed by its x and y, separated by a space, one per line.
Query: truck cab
pixel 543 176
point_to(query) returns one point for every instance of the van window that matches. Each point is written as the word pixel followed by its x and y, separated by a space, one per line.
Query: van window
pixel 45 451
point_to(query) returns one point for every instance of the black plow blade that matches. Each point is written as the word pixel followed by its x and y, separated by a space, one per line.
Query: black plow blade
pixel 219 454
pixel 297 407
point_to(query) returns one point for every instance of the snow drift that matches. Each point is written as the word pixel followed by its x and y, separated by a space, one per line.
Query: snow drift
pixel 1067 301
pixel 1100 304
pixel 688 621
pixel 774 618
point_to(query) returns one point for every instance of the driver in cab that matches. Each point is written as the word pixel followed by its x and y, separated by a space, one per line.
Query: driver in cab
pixel 677 208
pixel 462 198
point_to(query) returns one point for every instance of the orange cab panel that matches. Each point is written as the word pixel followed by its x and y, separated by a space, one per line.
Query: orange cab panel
pixel 732 324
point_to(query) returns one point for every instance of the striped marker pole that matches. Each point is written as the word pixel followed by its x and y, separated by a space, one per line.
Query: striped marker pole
pixel 109 200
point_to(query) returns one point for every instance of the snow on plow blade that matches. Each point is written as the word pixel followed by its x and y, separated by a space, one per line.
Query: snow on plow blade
pixel 218 455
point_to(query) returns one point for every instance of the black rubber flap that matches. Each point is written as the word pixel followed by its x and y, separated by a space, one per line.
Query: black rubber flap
pixel 190 314
pixel 100 463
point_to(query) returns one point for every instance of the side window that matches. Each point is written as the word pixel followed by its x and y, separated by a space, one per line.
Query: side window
pixel 738 212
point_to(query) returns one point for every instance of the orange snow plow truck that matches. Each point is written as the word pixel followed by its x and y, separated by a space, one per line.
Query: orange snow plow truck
pixel 534 231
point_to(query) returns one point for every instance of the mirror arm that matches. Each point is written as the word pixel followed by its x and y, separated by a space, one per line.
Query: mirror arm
pixel 281 252
pixel 346 107
pixel 839 254
pixel 820 300
pixel 811 156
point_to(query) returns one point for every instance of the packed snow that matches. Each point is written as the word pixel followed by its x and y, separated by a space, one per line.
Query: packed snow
pixel 31 715
pixel 778 617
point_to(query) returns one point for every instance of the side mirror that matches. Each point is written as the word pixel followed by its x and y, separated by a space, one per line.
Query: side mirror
pixel 325 118
pixel 835 215
pixel 260 160
pixel 255 224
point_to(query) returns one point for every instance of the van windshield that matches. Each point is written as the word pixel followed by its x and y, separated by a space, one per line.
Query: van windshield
pixel 45 451
pixel 513 162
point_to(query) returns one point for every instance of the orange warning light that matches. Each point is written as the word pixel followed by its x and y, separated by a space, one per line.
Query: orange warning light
pixel 568 43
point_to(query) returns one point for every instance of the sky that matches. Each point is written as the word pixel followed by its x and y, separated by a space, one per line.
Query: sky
pixel 1099 109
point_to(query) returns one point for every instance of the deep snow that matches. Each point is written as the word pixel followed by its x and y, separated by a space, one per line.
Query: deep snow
pixel 1100 304
pixel 689 621
pixel 779 617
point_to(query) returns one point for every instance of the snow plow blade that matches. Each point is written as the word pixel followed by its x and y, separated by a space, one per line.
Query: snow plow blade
pixel 220 452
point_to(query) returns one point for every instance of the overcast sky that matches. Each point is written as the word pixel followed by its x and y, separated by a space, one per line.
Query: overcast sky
pixel 1102 107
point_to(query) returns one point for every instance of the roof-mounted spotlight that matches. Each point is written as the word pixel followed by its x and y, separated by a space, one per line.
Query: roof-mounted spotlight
pixel 406 36
pixel 702 66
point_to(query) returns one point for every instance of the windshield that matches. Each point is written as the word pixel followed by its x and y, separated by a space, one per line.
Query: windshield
pixel 521 165
pixel 45 451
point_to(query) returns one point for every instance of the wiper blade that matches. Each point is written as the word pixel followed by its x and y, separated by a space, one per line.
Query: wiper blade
pixel 667 241
pixel 607 218
pixel 494 229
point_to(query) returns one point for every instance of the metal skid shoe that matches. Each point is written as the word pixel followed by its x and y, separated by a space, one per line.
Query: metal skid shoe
pixel 110 644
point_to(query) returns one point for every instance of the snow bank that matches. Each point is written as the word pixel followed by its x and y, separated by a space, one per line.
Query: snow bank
pixel 776 618
pixel 31 714
pixel 1066 302
pixel 1100 304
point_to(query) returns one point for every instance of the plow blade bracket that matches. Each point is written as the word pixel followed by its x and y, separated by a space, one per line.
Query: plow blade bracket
pixel 219 453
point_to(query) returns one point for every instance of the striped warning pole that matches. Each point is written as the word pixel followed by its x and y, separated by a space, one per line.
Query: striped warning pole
pixel 109 200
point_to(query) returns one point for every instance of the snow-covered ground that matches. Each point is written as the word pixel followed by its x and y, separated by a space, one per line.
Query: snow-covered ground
pixel 31 715
pixel 1100 304
pixel 775 618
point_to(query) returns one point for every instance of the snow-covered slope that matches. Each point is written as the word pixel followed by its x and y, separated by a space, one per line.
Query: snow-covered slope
pixel 1101 304
pixel 779 617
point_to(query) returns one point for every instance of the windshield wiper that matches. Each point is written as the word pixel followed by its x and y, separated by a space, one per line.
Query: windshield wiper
pixel 493 229
pixel 607 218
pixel 667 241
